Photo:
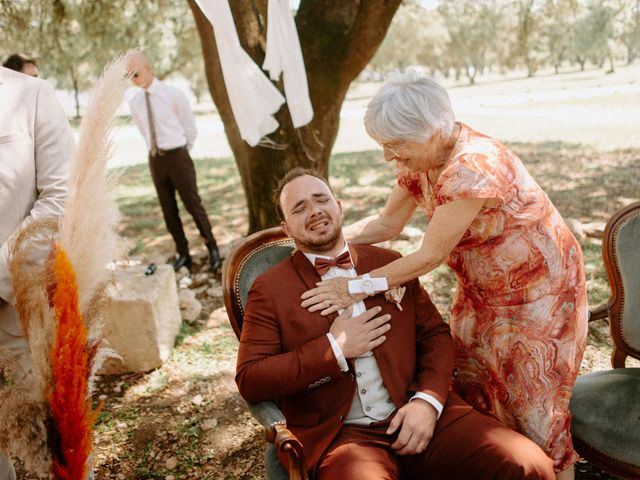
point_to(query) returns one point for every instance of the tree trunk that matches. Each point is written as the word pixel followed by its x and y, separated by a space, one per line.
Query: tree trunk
pixel 76 92
pixel 531 67
pixel 337 39
pixel 471 74
pixel 612 67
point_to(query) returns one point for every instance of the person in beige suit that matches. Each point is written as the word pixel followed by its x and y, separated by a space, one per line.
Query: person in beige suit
pixel 36 147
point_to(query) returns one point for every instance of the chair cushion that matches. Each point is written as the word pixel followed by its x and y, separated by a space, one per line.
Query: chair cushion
pixel 258 262
pixel 275 470
pixel 267 413
pixel 605 409
pixel 261 260
pixel 628 259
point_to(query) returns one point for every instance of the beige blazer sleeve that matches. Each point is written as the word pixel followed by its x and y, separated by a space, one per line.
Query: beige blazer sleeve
pixel 36 148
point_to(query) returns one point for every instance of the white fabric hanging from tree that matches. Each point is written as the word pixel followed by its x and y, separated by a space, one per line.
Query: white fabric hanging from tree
pixel 253 98
pixel 284 56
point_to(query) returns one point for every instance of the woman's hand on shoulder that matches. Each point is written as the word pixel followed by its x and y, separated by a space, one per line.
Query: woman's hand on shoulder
pixel 330 296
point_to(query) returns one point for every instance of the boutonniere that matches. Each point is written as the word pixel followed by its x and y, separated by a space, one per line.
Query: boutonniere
pixel 394 295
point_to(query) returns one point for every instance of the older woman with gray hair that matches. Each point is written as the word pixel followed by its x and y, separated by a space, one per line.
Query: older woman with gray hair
pixel 519 316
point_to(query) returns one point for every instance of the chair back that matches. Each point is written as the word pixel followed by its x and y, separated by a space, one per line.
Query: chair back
pixel 255 255
pixel 621 254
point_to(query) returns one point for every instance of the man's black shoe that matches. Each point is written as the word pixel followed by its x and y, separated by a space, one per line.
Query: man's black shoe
pixel 214 258
pixel 182 261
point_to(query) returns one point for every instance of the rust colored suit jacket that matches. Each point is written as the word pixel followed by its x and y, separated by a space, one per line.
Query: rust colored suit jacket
pixel 285 354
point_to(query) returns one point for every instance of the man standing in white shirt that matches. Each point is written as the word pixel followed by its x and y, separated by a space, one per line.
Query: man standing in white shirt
pixel 163 115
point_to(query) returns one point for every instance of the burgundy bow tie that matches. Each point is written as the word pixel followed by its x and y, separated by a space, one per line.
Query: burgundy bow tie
pixel 341 261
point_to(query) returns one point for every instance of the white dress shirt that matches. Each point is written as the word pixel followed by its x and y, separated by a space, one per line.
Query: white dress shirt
pixel 173 119
pixel 372 401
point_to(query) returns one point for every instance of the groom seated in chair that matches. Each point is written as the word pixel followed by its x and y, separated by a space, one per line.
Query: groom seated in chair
pixel 367 391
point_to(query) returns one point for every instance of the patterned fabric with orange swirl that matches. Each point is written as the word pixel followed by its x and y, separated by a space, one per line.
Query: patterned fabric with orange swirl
pixel 519 317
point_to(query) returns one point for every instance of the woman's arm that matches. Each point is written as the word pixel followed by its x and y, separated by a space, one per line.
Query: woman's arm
pixel 385 225
pixel 446 228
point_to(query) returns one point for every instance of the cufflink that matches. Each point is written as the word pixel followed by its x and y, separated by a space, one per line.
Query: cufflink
pixel 368 285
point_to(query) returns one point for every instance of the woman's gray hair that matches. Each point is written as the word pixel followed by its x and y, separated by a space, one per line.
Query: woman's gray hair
pixel 410 108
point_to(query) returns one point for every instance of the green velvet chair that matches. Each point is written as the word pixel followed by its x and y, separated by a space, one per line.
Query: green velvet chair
pixel 606 405
pixel 256 254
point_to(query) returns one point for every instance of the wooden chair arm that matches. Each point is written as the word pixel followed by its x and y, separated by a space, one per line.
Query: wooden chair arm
pixel 598 313
pixel 285 441
pixel 269 415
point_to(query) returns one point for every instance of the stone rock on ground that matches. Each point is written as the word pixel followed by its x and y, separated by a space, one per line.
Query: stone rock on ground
pixel 142 319
pixel 190 307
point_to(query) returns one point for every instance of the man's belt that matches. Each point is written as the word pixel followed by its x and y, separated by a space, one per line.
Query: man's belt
pixel 162 152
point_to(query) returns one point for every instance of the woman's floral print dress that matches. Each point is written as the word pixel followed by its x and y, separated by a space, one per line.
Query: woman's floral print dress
pixel 519 316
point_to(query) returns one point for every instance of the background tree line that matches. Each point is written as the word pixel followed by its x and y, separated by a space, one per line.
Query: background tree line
pixel 74 39
pixel 466 38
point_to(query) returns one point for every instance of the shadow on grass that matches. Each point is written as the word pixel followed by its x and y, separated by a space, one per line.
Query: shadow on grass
pixel 201 424
pixel 583 183
pixel 142 222
pixel 168 421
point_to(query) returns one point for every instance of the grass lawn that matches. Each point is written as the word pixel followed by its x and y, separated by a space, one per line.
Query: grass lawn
pixel 584 184
pixel 186 419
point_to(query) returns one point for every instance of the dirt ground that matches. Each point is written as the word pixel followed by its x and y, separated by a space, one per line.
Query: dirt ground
pixel 186 420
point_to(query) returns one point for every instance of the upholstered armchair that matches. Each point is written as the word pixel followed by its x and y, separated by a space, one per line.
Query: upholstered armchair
pixel 255 255
pixel 606 405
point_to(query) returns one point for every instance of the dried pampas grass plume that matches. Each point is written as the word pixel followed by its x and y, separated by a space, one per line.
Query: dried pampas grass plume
pixel 87 231
pixel 71 360
pixel 28 415
pixel 59 277
pixel 29 267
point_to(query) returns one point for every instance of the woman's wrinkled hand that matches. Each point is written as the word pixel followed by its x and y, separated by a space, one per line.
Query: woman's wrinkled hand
pixel 330 296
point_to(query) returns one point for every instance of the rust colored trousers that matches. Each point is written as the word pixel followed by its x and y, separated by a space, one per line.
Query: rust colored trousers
pixel 466 445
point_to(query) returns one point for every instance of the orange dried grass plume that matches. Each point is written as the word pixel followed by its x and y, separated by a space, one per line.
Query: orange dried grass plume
pixel 71 360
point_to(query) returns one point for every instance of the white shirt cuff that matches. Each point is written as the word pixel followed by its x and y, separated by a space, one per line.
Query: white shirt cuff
pixel 342 362
pixel 429 399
